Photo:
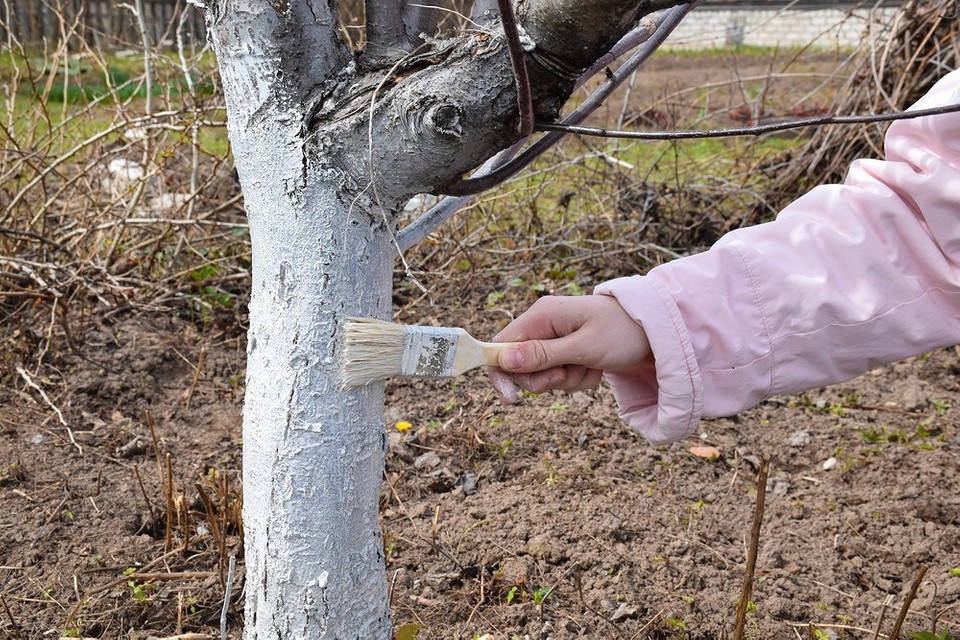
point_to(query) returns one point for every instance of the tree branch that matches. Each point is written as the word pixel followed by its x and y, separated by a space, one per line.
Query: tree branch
pixel 385 32
pixel 421 17
pixel 756 130
pixel 419 229
pixel 664 25
pixel 572 34
pixel 520 75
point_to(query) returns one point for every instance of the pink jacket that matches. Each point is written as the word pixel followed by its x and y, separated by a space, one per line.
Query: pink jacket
pixel 847 277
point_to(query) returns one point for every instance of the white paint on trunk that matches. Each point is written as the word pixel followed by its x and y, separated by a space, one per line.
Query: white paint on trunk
pixel 312 454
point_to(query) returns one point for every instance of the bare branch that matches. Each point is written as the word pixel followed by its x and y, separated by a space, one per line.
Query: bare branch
pixel 522 78
pixel 665 24
pixel 385 32
pixel 421 17
pixel 419 229
pixel 756 130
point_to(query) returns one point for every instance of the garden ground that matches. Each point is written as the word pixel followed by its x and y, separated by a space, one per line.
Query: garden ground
pixel 120 460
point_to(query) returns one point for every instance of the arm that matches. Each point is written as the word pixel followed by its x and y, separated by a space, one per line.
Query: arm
pixel 849 276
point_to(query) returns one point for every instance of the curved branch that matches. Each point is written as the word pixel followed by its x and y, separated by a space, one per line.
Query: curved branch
pixel 520 75
pixel 419 229
pixel 666 23
pixel 757 130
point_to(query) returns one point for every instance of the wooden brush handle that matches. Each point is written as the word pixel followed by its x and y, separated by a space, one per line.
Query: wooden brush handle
pixel 472 353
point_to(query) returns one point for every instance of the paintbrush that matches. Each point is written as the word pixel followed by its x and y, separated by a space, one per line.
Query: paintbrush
pixel 375 350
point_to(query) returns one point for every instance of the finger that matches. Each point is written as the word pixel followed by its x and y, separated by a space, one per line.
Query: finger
pixel 540 381
pixel 503 384
pixel 548 317
pixel 580 379
pixel 539 355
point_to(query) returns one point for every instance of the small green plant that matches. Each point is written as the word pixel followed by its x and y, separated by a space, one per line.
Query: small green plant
pixel 540 595
pixel 511 594
pixel 941 406
pixel 409 631
pixel 553 474
pixel 955 572
pixel 676 624
pixel 503 448
pixel 139 591
pixel 494 298
pixel 929 635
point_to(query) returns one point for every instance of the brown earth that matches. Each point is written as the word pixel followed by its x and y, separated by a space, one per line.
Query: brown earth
pixel 550 519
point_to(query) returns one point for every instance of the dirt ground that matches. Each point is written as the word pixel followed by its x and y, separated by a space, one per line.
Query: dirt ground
pixel 120 475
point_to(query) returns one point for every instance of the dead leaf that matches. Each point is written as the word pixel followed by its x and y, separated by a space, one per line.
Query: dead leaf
pixel 707 453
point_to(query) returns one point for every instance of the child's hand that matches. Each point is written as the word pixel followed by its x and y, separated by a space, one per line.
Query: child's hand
pixel 567 343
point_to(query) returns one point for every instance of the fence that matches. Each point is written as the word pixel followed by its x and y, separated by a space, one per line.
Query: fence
pixel 105 24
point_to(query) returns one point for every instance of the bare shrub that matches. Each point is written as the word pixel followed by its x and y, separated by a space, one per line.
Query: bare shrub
pixel 904 59
pixel 116 189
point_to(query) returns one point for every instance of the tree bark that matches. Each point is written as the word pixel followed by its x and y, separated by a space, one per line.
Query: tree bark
pixel 328 151
pixel 313 454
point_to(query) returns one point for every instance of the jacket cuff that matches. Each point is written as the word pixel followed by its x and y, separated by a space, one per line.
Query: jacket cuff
pixel 664 404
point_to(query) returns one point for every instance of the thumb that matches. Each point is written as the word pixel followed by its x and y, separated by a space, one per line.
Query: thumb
pixel 530 356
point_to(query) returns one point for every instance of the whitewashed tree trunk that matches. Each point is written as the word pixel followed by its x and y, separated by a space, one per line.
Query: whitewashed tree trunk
pixel 312 454
pixel 323 175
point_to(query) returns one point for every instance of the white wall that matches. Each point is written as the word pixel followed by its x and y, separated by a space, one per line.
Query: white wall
pixel 707 27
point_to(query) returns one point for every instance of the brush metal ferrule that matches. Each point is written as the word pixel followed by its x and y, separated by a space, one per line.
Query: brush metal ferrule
pixel 429 352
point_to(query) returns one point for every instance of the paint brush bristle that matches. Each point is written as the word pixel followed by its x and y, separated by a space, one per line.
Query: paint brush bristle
pixel 376 350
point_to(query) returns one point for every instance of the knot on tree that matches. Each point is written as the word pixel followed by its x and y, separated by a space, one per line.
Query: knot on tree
pixel 445 118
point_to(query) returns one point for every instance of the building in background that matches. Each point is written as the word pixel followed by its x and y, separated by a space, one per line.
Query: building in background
pixel 778 23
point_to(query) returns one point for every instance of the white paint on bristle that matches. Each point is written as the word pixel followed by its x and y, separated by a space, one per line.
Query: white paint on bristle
pixel 373 350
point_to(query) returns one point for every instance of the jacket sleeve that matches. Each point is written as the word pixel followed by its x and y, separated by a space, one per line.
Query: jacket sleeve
pixel 847 277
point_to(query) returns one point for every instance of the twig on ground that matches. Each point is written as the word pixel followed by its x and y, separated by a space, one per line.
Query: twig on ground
pixel 6 609
pixel 143 492
pixel 883 612
pixel 906 603
pixel 227 589
pixel 741 619
pixel 43 394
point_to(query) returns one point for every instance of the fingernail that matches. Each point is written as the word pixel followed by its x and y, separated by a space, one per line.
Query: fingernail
pixel 511 359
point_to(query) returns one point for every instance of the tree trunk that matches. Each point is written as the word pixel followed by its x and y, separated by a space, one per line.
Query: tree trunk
pixel 312 454
pixel 328 152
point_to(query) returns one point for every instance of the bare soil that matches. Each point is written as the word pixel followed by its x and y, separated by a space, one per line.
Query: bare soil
pixel 550 519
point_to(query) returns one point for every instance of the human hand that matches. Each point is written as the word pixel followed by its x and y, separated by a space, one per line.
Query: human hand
pixel 567 342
